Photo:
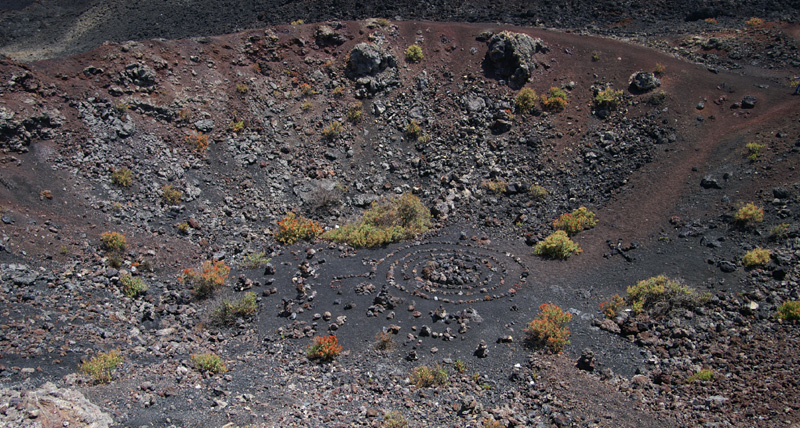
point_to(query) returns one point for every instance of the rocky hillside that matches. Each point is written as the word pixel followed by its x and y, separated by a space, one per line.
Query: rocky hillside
pixel 126 167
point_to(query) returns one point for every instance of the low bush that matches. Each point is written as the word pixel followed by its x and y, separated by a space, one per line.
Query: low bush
pixel 749 213
pixel 355 112
pixel 526 100
pixel 576 221
pixel 753 150
pixel 333 130
pixel 779 231
pixel 122 177
pixel 242 88
pixel 756 257
pixel 413 129
pixel 703 375
pixel 555 101
pixel 171 195
pixel 460 366
pixel 557 245
pixel 204 281
pixel 306 90
pixel 495 186
pixel 101 366
pixel 293 228
pixel 256 260
pixel 228 312
pixel 324 348
pixel 426 377
pixel 660 69
pixel 414 53
pixel 236 125
pixel 608 99
pixel 789 311
pixel 611 307
pixel 754 22
pixel 390 220
pixel 113 242
pixel 549 328
pixel 537 191
pixel 197 141
pixel 394 419
pixel 209 363
pixel 384 341
pixel 132 286
pixel 659 295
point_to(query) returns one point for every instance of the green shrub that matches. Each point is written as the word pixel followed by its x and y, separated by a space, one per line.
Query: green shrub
pixel 101 366
pixel 557 245
pixel 779 231
pixel 355 112
pixel 132 287
pixel 753 150
pixel 460 366
pixel 576 221
pixel 756 257
pixel 495 186
pixel 171 195
pixel 392 219
pixel 207 279
pixel 703 375
pixel 324 348
pixel 555 101
pixel 256 260
pixel 413 129
pixel 660 69
pixel 537 191
pixel 236 125
pixel 414 53
pixel 549 328
pixel 426 377
pixel 789 311
pixel 293 228
pixel 122 177
pixel 526 100
pixel 209 363
pixel 608 99
pixel 659 295
pixel 228 312
pixel 394 419
pixel 113 242
pixel 749 213
pixel 333 130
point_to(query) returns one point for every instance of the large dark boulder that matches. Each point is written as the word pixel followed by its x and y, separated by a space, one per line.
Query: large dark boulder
pixel 511 57
pixel 327 36
pixel 372 68
pixel 643 81
pixel 367 59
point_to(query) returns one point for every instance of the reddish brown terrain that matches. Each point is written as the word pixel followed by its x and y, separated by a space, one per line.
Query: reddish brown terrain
pixel 665 172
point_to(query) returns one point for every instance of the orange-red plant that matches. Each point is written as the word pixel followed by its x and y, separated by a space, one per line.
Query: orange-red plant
pixel 611 307
pixel 211 275
pixel 576 221
pixel 549 328
pixel 324 348
pixel 197 141
pixel 293 228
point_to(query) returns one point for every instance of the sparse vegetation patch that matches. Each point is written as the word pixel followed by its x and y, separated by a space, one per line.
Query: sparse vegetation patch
pixel 389 220
pixel 549 328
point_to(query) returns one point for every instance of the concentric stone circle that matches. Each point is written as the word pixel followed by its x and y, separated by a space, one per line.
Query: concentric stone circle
pixel 459 273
